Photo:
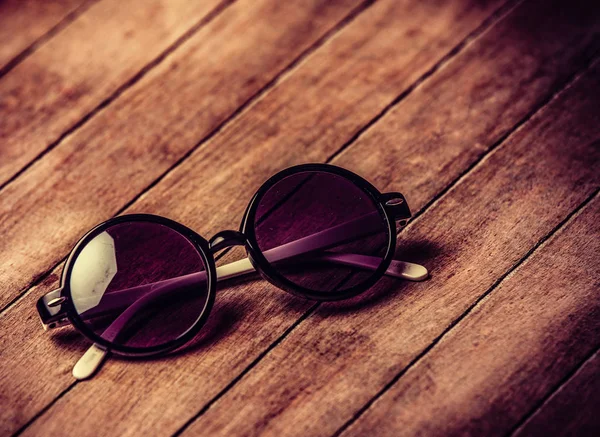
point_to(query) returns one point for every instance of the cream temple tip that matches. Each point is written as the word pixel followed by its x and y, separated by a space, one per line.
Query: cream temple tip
pixel 89 363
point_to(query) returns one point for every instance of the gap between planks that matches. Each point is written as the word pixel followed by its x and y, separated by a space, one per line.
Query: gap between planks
pixel 516 127
pixel 124 87
pixel 488 22
pixel 539 406
pixel 445 59
pixel 558 90
pixel 456 50
pixel 571 216
pixel 253 98
pixel 497 15
pixel 54 30
pixel 244 372
pixel 46 408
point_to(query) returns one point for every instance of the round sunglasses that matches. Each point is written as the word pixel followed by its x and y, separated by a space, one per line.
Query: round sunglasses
pixel 142 285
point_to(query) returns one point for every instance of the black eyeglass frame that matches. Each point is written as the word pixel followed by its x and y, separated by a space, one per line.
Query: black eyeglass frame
pixel 389 213
pixel 392 207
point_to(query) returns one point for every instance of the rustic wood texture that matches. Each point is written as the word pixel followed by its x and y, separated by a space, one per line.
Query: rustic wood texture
pixel 211 79
pixel 533 329
pixel 25 23
pixel 278 44
pixel 235 192
pixel 457 107
pixel 87 62
pixel 336 360
pixel 573 409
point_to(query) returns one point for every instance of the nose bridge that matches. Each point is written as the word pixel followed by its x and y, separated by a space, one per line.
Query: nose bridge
pixel 224 239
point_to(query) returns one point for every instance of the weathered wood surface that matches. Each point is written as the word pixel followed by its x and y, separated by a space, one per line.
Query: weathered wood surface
pixel 25 23
pixel 341 356
pixel 330 364
pixel 533 329
pixel 182 203
pixel 87 62
pixel 573 409
pixel 193 90
pixel 102 147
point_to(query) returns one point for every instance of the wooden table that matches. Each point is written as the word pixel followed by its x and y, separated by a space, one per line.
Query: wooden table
pixel 486 114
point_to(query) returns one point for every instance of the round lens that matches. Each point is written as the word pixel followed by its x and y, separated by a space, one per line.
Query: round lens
pixel 139 284
pixel 321 231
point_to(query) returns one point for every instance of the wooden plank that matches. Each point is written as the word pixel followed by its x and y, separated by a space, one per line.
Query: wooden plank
pixel 573 409
pixel 24 22
pixel 337 359
pixel 250 318
pixel 194 90
pixel 209 201
pixel 188 108
pixel 53 89
pixel 243 67
pixel 519 342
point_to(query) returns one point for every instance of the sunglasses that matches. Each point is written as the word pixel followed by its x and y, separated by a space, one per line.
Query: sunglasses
pixel 142 285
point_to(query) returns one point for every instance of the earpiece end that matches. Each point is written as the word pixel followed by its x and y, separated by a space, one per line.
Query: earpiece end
pixel 408 271
pixel 89 363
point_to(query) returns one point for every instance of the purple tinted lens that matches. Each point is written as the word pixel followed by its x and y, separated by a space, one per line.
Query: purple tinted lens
pixel 320 230
pixel 139 284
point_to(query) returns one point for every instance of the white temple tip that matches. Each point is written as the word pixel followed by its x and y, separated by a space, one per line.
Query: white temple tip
pixel 410 271
pixel 89 363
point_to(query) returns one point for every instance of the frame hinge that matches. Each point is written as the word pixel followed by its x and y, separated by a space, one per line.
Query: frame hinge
pixel 51 311
pixel 395 203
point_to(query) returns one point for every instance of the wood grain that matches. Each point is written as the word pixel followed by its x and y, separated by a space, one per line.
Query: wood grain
pixel 270 307
pixel 95 171
pixel 340 357
pixel 259 313
pixel 23 22
pixel 56 184
pixel 573 409
pixel 65 79
pixel 469 106
pixel 534 329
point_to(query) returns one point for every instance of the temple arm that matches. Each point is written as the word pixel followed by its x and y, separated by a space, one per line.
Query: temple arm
pixel 120 298
pixel 92 359
pixel 313 245
pixel 136 298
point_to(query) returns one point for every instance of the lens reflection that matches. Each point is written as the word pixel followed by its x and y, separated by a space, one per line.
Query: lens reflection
pixel 139 284
pixel 319 230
